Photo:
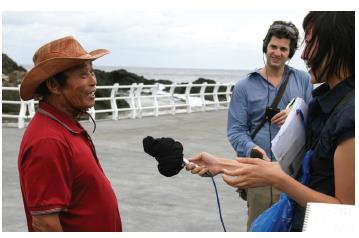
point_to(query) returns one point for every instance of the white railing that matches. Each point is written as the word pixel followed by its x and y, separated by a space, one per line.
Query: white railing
pixel 143 100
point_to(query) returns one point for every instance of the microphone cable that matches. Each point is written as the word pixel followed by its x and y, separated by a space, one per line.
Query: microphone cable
pixel 219 205
pixel 208 174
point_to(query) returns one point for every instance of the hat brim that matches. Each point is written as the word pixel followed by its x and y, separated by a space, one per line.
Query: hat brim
pixel 51 67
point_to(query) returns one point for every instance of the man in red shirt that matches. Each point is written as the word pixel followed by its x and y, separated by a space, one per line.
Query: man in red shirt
pixel 63 185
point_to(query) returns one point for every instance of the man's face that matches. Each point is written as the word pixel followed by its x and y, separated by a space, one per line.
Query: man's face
pixel 79 91
pixel 277 52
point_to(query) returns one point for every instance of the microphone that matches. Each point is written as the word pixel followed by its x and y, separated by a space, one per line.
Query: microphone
pixel 168 153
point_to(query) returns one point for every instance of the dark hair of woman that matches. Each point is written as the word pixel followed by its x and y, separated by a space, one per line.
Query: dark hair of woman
pixel 332 43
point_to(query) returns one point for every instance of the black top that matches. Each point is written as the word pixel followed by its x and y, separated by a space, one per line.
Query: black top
pixel 325 139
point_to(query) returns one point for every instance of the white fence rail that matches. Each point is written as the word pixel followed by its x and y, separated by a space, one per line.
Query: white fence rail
pixel 143 100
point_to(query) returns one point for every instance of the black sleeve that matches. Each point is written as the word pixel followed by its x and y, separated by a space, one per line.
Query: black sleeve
pixel 345 126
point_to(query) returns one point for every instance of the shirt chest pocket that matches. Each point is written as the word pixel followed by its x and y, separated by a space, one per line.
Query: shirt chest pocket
pixel 257 105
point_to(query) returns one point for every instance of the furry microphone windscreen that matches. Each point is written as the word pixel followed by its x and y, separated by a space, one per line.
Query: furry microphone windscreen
pixel 168 153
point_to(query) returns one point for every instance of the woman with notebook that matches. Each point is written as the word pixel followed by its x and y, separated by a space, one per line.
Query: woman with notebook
pixel 330 130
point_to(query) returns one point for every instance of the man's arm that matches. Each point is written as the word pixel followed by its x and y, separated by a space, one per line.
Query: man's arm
pixel 46 180
pixel 308 89
pixel 48 222
pixel 237 124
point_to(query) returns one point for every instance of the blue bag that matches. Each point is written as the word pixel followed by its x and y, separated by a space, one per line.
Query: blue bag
pixel 279 216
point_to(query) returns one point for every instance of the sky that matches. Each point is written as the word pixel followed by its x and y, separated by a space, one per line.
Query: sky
pixel 223 40
pixel 192 36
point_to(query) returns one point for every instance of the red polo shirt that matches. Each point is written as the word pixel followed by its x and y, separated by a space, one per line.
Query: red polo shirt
pixel 60 172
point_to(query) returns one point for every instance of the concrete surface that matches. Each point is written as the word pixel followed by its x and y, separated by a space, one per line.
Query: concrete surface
pixel 147 200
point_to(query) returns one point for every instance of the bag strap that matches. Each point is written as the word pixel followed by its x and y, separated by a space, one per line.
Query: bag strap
pixel 281 90
pixel 274 103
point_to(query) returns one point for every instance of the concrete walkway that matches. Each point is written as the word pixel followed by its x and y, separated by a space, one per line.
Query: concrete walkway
pixel 147 200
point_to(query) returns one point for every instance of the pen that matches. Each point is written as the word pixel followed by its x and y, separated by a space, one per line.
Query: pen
pixel 290 103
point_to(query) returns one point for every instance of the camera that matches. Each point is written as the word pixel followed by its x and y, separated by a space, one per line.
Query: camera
pixel 256 154
pixel 270 112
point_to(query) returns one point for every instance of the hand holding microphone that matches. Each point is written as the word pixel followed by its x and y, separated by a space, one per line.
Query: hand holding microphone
pixel 205 164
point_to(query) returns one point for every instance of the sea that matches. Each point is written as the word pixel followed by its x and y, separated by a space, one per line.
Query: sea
pixel 179 75
pixel 183 75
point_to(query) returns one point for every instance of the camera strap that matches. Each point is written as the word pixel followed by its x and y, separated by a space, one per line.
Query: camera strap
pixel 274 103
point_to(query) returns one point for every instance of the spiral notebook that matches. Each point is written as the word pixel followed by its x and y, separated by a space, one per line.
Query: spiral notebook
pixel 330 218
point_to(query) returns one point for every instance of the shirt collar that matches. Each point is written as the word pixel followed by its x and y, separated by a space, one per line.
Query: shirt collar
pixel 60 117
pixel 257 71
pixel 329 98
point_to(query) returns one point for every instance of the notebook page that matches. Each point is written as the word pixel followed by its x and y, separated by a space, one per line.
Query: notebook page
pixel 330 217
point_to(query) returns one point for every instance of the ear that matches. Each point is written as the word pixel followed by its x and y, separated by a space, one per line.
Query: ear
pixel 53 86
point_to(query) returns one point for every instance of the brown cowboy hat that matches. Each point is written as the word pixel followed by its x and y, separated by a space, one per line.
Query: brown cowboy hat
pixel 53 58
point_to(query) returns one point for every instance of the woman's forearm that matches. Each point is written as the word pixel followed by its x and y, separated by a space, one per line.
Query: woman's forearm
pixel 299 192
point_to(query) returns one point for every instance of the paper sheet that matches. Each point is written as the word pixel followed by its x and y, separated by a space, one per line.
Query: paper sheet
pixel 324 217
pixel 288 144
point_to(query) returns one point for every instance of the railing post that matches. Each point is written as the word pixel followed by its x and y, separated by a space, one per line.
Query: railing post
pixel 138 99
pixel 187 94
pixel 228 94
pixel 172 99
pixel 203 99
pixel 155 88
pixel 215 95
pixel 92 112
pixel 31 108
pixel 22 114
pixel 113 100
pixel 132 100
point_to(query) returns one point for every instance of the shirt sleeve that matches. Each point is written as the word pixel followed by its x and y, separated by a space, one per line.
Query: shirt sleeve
pixel 237 124
pixel 345 124
pixel 47 177
pixel 305 88
pixel 308 88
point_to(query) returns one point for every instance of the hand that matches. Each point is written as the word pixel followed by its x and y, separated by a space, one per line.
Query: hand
pixel 205 162
pixel 265 156
pixel 280 117
pixel 252 172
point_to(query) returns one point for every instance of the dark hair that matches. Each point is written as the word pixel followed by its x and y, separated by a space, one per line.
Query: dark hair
pixel 333 39
pixel 60 78
pixel 286 30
